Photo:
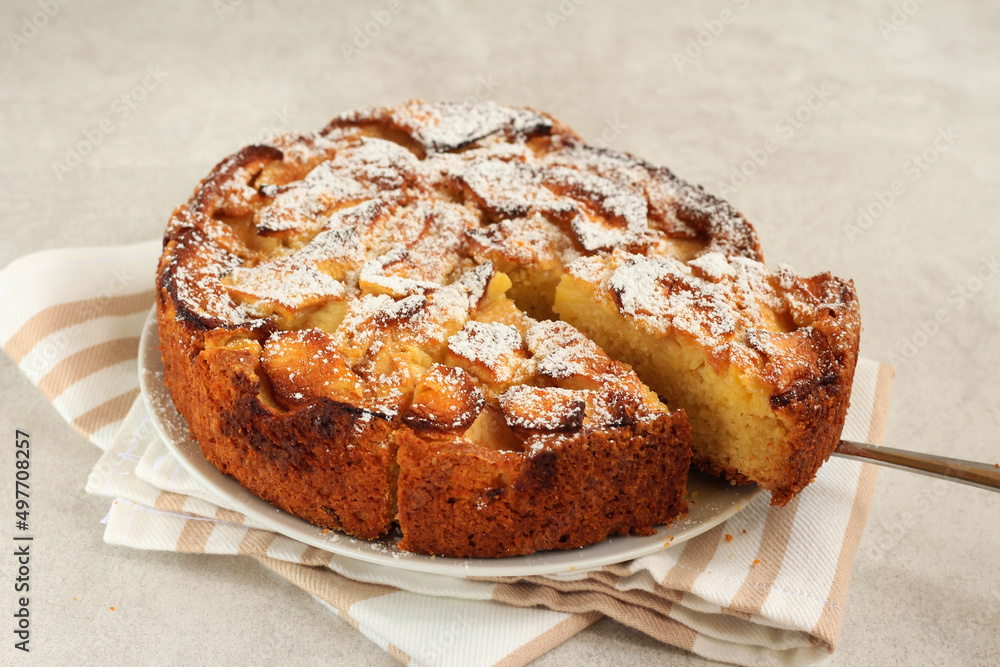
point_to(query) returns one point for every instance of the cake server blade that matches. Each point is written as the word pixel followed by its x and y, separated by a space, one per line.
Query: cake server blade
pixel 973 473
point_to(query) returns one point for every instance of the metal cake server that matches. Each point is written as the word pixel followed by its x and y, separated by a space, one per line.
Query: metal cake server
pixel 982 475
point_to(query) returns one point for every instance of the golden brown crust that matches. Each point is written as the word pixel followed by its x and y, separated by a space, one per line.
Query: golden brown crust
pixel 314 450
pixel 577 490
pixel 327 462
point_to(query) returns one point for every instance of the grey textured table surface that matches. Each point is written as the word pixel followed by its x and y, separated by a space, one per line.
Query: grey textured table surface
pixel 805 118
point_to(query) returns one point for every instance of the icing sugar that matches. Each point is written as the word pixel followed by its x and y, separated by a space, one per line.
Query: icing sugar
pixel 450 126
pixel 542 208
pixel 486 343
pixel 664 294
pixel 405 207
pixel 547 409
pixel 299 204
pixel 291 289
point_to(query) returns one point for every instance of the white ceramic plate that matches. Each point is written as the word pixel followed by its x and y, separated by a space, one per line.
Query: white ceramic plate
pixel 717 501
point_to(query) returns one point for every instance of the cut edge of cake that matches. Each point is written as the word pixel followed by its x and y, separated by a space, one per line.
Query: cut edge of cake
pixel 766 403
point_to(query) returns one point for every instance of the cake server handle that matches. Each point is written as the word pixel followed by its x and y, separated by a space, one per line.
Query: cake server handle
pixel 982 475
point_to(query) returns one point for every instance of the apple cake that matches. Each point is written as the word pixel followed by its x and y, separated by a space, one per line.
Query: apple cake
pixel 404 321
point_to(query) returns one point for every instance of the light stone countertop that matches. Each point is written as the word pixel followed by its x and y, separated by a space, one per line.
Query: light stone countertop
pixel 843 109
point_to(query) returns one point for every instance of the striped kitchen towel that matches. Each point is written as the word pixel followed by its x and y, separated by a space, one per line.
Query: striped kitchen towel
pixel 767 587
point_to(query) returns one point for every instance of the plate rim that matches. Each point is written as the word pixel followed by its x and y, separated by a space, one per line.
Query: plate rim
pixel 615 549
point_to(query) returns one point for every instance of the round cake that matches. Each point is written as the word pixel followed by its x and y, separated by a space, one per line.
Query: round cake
pixel 402 323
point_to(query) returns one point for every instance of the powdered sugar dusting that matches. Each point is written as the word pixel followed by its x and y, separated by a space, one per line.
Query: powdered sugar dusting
pixel 515 205
pixel 713 298
pixel 615 199
pixel 486 343
pixel 299 204
pixel 390 229
pixel 292 289
pixel 663 293
pixel 385 164
pixel 677 209
pixel 450 126
pixel 197 282
pixel 374 278
pixel 561 351
pixel 544 408
pixel 336 251
pixel 712 265
pixel 590 269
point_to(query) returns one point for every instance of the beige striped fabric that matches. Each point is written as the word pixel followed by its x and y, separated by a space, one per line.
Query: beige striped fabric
pixel 767 587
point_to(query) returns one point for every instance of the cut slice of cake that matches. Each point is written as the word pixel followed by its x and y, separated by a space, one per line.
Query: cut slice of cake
pixel 761 361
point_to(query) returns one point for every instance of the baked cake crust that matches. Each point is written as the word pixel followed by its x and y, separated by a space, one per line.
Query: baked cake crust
pixel 574 490
pixel 349 323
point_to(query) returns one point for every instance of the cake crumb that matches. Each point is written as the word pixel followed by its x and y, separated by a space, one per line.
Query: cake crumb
pixel 729 538
pixel 756 561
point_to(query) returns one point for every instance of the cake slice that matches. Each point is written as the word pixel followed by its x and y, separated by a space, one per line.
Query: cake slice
pixel 761 361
